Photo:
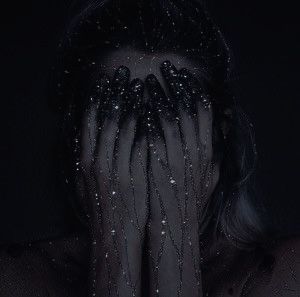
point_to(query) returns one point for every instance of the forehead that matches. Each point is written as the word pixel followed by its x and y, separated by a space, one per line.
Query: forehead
pixel 141 63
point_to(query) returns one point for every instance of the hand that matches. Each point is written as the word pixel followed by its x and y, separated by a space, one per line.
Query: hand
pixel 112 183
pixel 182 176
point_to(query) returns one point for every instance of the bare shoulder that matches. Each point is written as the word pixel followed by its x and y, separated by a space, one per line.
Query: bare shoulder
pixel 43 268
pixel 278 273
pixel 287 264
pixel 286 255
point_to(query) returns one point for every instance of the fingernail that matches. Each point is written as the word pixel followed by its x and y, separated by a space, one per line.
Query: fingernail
pixel 166 64
pixel 151 79
pixel 168 69
pixel 138 85
pixel 123 71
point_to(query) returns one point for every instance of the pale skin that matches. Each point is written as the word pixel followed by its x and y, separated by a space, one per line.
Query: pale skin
pixel 127 273
pixel 282 281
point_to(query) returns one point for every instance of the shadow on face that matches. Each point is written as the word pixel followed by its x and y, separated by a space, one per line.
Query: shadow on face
pixel 141 64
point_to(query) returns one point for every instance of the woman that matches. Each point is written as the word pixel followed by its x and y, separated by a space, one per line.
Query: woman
pixel 159 165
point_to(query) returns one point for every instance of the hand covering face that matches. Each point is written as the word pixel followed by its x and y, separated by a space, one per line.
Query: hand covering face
pixel 145 173
pixel 113 184
pixel 181 178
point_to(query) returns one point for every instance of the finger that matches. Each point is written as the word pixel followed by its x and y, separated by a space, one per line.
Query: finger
pixel 185 109
pixel 158 99
pixel 93 121
pixel 109 195
pixel 138 177
pixel 128 134
pixel 135 97
pixel 88 135
pixel 77 181
pixel 193 88
pixel 170 75
pixel 120 80
pixel 163 112
pixel 187 90
pixel 109 111
pixel 202 179
pixel 101 94
pixel 164 197
pixel 130 189
pixel 187 122
pixel 195 92
pixel 94 114
pixel 166 213
pixel 100 86
pixel 92 118
pixel 190 80
pixel 109 129
pixel 135 195
pixel 185 106
pixel 119 86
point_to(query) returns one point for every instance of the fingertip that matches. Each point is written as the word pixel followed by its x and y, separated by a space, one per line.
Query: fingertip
pixel 121 78
pixel 123 71
pixel 137 86
pixel 166 64
pixel 168 69
pixel 136 93
pixel 151 80
pixel 155 89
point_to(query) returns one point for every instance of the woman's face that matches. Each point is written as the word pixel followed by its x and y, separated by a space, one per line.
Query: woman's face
pixel 142 64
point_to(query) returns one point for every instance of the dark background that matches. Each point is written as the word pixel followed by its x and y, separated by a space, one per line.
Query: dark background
pixel 264 38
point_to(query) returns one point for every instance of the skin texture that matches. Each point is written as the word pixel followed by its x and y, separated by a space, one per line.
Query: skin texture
pixel 57 267
pixel 114 185
pixel 172 128
pixel 130 202
pixel 141 64
pixel 182 178
pixel 26 270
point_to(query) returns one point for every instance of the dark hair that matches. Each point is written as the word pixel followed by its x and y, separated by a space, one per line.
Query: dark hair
pixel 183 27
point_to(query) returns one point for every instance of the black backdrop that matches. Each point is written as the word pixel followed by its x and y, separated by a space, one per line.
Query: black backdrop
pixel 264 38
